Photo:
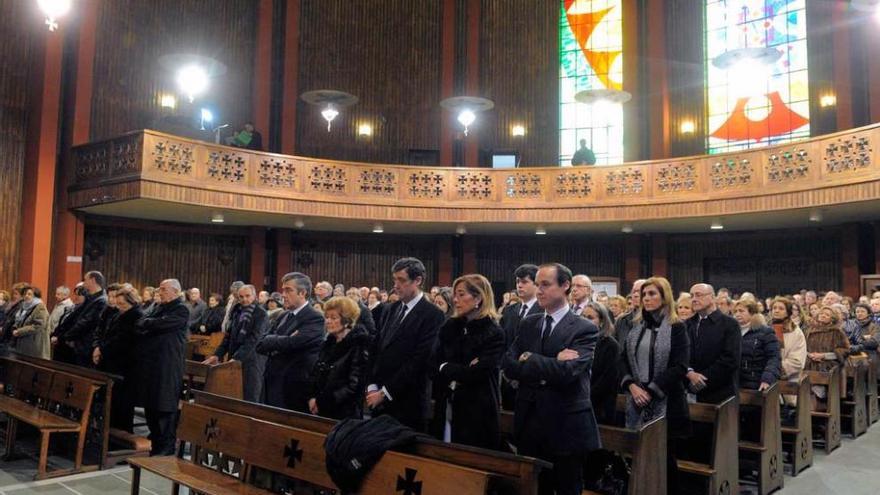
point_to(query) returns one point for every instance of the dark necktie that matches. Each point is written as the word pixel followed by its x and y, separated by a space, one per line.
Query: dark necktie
pixel 522 313
pixel 545 332
pixel 392 325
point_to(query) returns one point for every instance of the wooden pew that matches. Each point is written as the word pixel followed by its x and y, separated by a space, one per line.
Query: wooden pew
pixel 871 385
pixel 853 400
pixel 645 448
pixel 203 345
pixel 52 402
pixel 124 444
pixel 721 470
pixel 768 448
pixel 221 379
pixel 292 452
pixel 797 440
pixel 514 474
pixel 829 420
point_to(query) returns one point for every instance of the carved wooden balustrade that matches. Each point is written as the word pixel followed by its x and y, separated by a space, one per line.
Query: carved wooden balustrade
pixel 829 170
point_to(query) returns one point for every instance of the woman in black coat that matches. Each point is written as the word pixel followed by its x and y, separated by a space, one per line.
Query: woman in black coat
pixel 339 376
pixel 212 319
pixel 654 364
pixel 115 352
pixel 469 352
pixel 605 373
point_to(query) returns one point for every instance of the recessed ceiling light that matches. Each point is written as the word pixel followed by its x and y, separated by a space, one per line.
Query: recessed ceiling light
pixel 299 223
pixel 540 231
pixel 217 218
pixel 378 229
pixel 461 230
pixel 627 228
pixel 717 225
pixel 816 216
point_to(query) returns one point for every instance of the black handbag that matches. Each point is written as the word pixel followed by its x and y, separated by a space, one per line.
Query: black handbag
pixel 606 472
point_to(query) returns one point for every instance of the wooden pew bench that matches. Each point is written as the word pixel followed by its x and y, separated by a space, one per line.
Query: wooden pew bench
pixel 721 469
pixel 114 446
pixel 292 452
pixel 853 400
pixel 221 379
pixel 797 439
pixel 512 474
pixel 765 451
pixel 871 385
pixel 50 401
pixel 645 449
pixel 827 422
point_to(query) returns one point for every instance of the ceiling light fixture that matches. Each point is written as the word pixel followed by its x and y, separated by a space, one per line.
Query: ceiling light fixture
pixel 217 217
pixel 378 229
pixel 54 9
pixel 461 230
pixel 299 223
pixel 717 225
pixel 466 108
pixel 540 231
pixel 816 216
pixel 330 100
pixel 627 228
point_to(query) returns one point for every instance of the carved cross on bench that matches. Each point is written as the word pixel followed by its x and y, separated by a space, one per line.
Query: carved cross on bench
pixel 212 431
pixel 409 485
pixel 293 453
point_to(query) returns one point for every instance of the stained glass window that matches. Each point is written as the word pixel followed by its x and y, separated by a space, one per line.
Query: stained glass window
pixel 590 57
pixel 770 105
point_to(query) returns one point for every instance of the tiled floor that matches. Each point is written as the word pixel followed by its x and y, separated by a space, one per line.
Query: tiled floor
pixel 853 469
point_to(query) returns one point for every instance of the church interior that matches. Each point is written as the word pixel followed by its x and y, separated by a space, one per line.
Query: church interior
pixel 439 246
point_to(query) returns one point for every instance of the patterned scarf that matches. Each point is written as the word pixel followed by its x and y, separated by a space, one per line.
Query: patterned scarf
pixel 662 346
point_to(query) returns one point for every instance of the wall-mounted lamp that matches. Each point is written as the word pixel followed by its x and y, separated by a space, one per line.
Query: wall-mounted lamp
pixel 687 127
pixel 518 130
pixel 828 100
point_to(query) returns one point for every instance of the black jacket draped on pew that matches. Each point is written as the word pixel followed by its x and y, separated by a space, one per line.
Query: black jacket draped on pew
pixel 212 320
pixel 605 379
pixel 159 347
pixel 402 353
pixel 241 342
pixel 761 359
pixel 474 402
pixel 715 353
pixel 292 346
pixel 553 412
pixel 340 374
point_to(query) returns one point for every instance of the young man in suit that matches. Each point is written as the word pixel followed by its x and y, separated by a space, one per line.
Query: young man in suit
pixel 399 383
pixel 551 359
pixel 292 345
pixel 510 318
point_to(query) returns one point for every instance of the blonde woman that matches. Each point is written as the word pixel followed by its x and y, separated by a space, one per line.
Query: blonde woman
pixel 827 346
pixel 469 352
pixel 684 306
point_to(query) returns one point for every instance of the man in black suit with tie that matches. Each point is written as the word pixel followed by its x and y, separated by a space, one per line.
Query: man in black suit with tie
pixel 551 359
pixel 510 318
pixel 399 384
pixel 292 344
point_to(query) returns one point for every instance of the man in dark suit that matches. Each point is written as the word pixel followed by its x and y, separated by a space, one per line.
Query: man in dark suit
pixel 715 349
pixel 292 344
pixel 249 323
pixel 80 335
pixel 511 317
pixel 551 359
pixel 399 383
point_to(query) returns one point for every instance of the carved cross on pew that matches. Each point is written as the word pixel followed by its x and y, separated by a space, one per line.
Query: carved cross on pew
pixel 409 485
pixel 293 453
pixel 212 431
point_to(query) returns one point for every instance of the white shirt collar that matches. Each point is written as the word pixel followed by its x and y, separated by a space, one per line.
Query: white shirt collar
pixel 297 310
pixel 531 302
pixel 558 315
pixel 412 304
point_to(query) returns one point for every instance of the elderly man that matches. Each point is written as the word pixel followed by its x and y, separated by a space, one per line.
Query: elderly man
pixel 197 307
pixel 160 345
pixel 63 304
pixel 831 298
pixel 231 301
pixel 292 345
pixel 581 293
pixel 323 291
pixel 365 294
pixel 715 348
pixel 724 305
pixel 263 298
pixel 249 323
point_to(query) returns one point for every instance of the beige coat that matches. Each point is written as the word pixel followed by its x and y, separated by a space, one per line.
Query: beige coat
pixel 794 353
pixel 33 334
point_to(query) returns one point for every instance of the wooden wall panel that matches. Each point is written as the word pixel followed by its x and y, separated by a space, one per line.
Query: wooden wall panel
pixel 767 263
pixel 685 70
pixel 147 253
pixel 519 71
pixel 358 260
pixel 133 34
pixel 387 53
pixel 498 257
pixel 17 22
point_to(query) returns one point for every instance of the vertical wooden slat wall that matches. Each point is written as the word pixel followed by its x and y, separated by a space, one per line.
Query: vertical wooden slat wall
pixel 133 34
pixel 16 44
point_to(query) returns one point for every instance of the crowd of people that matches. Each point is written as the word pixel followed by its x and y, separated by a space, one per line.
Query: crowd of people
pixel 446 361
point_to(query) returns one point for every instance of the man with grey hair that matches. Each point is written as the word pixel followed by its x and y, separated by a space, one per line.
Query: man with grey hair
pixel 196 306
pixel 581 293
pixel 63 304
pixel 323 291
pixel 249 323
pixel 231 301
pixel 160 343
pixel 715 349
pixel 292 345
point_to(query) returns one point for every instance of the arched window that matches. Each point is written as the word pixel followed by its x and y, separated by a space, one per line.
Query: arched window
pixel 751 104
